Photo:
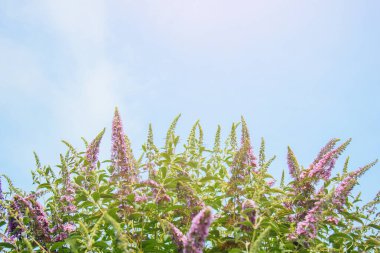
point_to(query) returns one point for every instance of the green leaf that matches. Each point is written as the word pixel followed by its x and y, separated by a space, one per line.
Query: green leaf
pixel 373 241
pixel 106 196
pixel 164 171
pixel 6 245
pixel 235 250
pixel 209 178
pixel 339 236
pixel 374 226
pixel 45 185
pixel 57 245
pixel 255 245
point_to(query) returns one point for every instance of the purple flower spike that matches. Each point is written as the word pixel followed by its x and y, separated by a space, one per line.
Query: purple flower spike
pixel 250 204
pixel 1 196
pixel 324 166
pixel 292 164
pixel 119 148
pixel 271 182
pixel 121 154
pixel 198 231
pixel 93 151
pixel 332 220
pixel 14 228
pixel 344 188
pixel 179 239
pixel 308 227
pixel 327 148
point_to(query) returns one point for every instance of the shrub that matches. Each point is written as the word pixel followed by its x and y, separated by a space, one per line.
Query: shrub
pixel 198 200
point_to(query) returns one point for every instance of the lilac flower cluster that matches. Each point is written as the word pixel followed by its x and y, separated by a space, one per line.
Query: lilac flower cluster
pixel 244 162
pixel 332 220
pixel 249 207
pixel 327 148
pixel 271 182
pixel 40 225
pixel 92 151
pixel 198 232
pixel 292 164
pixel 308 227
pixel 14 228
pixel 67 197
pixel 250 159
pixel 187 194
pixel 324 163
pixel 159 192
pixel 179 239
pixel 343 189
pixel 194 241
pixel 324 166
pixel 62 231
pixel 41 221
pixel 345 186
pixel 1 197
pixel 119 155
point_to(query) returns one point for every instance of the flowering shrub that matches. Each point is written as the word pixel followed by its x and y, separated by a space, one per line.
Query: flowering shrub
pixel 198 200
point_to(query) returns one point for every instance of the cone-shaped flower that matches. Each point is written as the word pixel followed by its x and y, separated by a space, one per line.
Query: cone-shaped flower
pixel 14 228
pixel 244 161
pixel 324 166
pixel 188 195
pixel 121 153
pixel 292 164
pixel 250 158
pixel 1 197
pixel 29 206
pixel 327 148
pixel 119 149
pixel 308 227
pixel 177 236
pixel 92 151
pixel 344 188
pixel 250 204
pixel 198 232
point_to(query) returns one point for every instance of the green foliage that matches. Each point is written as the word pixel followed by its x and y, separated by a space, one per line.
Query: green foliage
pixel 88 210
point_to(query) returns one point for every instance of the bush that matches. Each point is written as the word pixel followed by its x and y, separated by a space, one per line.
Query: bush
pixel 199 200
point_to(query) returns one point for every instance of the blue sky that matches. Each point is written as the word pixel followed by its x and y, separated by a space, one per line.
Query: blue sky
pixel 301 72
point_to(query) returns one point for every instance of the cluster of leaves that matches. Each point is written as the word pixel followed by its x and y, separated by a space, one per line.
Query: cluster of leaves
pixel 224 197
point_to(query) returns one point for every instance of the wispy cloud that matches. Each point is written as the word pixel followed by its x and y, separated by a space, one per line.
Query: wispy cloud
pixel 65 95
pixel 86 97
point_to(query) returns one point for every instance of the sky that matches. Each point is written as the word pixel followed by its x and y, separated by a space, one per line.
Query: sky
pixel 301 73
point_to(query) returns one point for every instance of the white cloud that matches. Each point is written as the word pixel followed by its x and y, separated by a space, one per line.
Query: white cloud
pixel 81 103
pixel 81 25
pixel 18 69
pixel 85 99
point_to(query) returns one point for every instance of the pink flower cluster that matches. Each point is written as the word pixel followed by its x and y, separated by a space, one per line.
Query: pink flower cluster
pixel 119 157
pixel 187 194
pixel 67 197
pixel 324 166
pixel 194 241
pixel 345 186
pixel 40 225
pixel 245 162
pixel 308 227
pixel 332 220
pixel 92 151
pixel 1 197
pixel 249 207
pixel 292 164
pixel 159 192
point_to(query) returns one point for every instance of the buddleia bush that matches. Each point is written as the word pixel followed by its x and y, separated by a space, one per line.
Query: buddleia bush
pixel 189 198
